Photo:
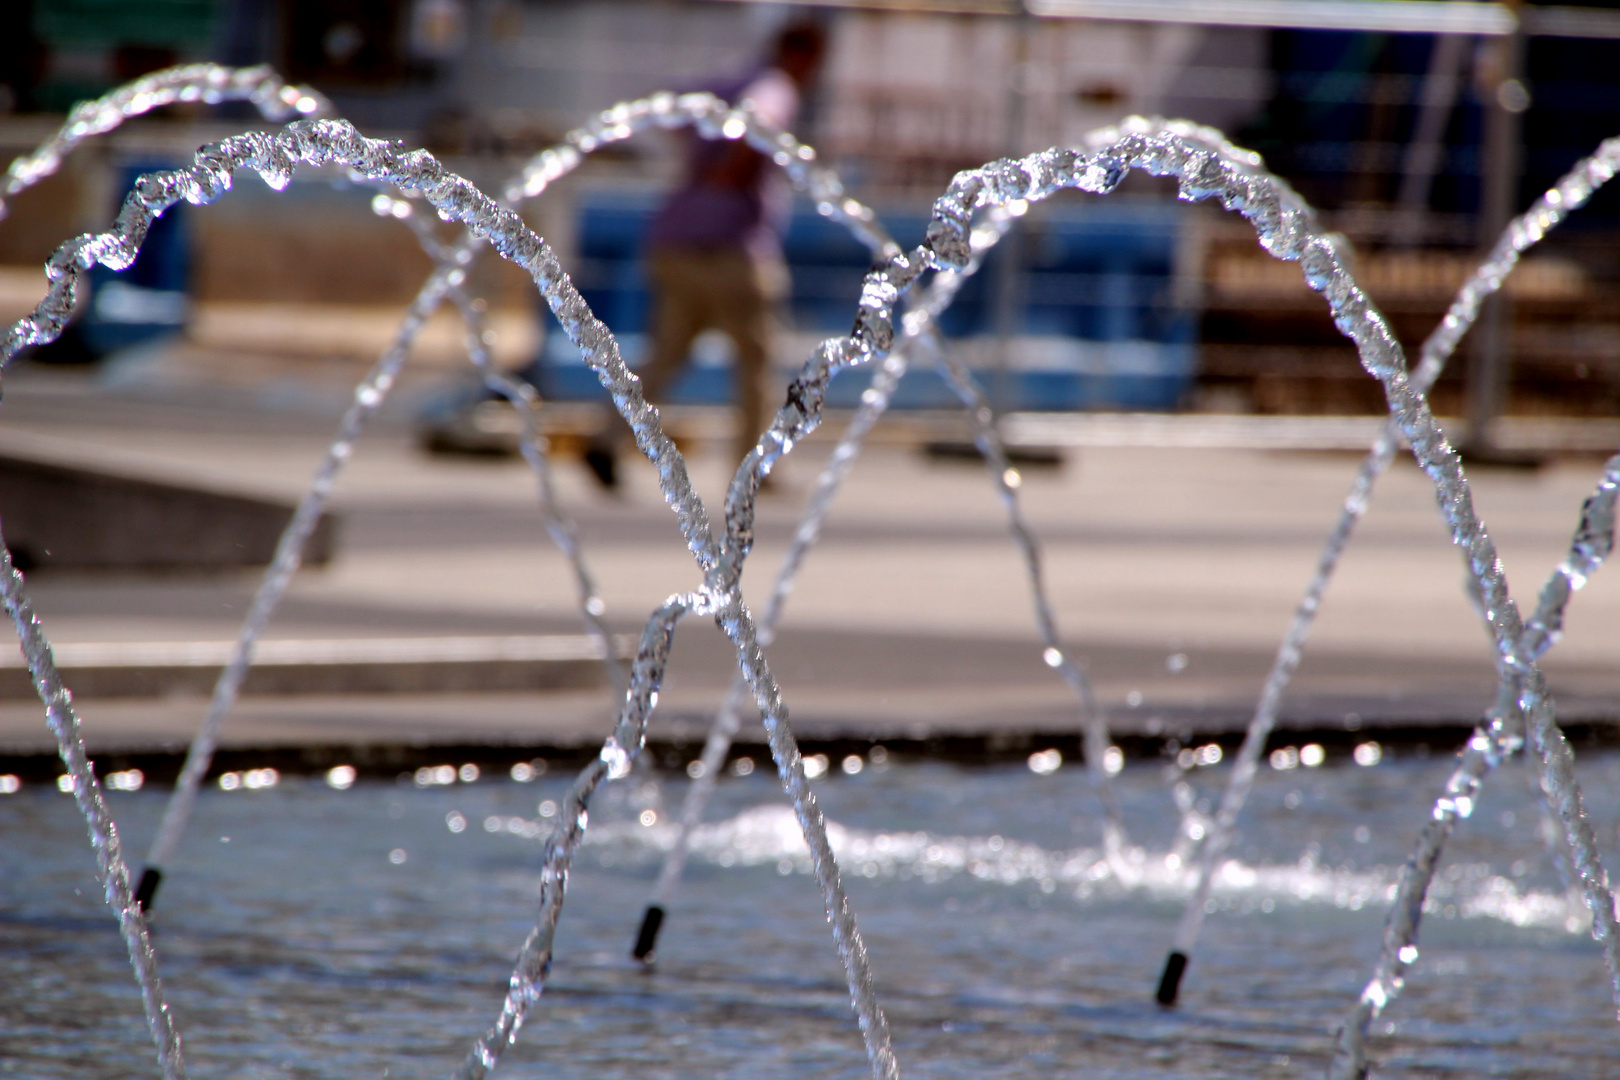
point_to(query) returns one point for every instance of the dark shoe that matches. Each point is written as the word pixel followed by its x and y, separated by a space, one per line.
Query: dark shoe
pixel 604 466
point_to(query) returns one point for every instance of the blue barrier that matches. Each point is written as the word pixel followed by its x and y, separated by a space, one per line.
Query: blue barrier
pixel 148 299
pixel 1097 324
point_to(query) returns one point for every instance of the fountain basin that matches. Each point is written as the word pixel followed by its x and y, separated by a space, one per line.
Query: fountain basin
pixel 312 932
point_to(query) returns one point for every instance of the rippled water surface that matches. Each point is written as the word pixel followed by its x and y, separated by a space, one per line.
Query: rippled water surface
pixel 291 944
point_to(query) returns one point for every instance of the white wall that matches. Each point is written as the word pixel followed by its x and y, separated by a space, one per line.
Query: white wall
pixel 915 88
pixel 567 59
pixel 905 99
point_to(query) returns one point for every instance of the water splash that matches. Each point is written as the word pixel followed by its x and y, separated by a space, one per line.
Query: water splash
pixel 1569 194
pixel 769 836
pixel 211 84
pixel 1503 733
pixel 526 401
pixel 1094 722
pixel 1288 232
pixel 110 866
pixel 451 263
pixel 322 142
pixel 874 401
pixel 711 116
pixel 368 398
pixel 455 199
pixel 534 960
pixel 1195 157
pixel 919 333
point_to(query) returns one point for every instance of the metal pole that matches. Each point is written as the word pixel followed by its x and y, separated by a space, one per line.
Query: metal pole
pixel 1422 161
pixel 1010 252
pixel 1490 364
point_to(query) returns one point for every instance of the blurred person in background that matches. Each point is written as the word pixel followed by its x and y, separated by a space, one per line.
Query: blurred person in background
pixel 714 253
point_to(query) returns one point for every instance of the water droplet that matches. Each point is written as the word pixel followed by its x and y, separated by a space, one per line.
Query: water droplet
pixel 618 762
pixel 1045 762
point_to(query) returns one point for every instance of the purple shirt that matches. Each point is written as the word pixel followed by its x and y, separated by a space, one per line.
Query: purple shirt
pixel 708 216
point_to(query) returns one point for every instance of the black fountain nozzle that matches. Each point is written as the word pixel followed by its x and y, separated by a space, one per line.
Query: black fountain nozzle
pixel 1175 966
pixel 647 938
pixel 151 878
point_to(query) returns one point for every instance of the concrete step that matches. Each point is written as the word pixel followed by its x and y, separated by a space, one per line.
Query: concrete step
pixel 149 669
pixel 67 515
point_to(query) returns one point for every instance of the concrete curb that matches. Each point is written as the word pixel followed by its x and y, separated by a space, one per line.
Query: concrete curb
pixel 336 666
pixel 670 752
pixel 61 515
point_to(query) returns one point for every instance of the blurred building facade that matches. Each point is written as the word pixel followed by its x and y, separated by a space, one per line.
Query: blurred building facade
pixel 1384 132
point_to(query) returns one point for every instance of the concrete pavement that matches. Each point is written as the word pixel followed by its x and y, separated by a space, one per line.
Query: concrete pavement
pixel 1173 569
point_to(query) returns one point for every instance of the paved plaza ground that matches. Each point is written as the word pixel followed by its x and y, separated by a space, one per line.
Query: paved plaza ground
pixel 1173 570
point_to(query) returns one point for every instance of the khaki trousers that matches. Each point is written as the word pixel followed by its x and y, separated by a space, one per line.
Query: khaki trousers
pixel 726 289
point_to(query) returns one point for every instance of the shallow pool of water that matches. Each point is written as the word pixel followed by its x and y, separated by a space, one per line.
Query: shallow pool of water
pixel 311 932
